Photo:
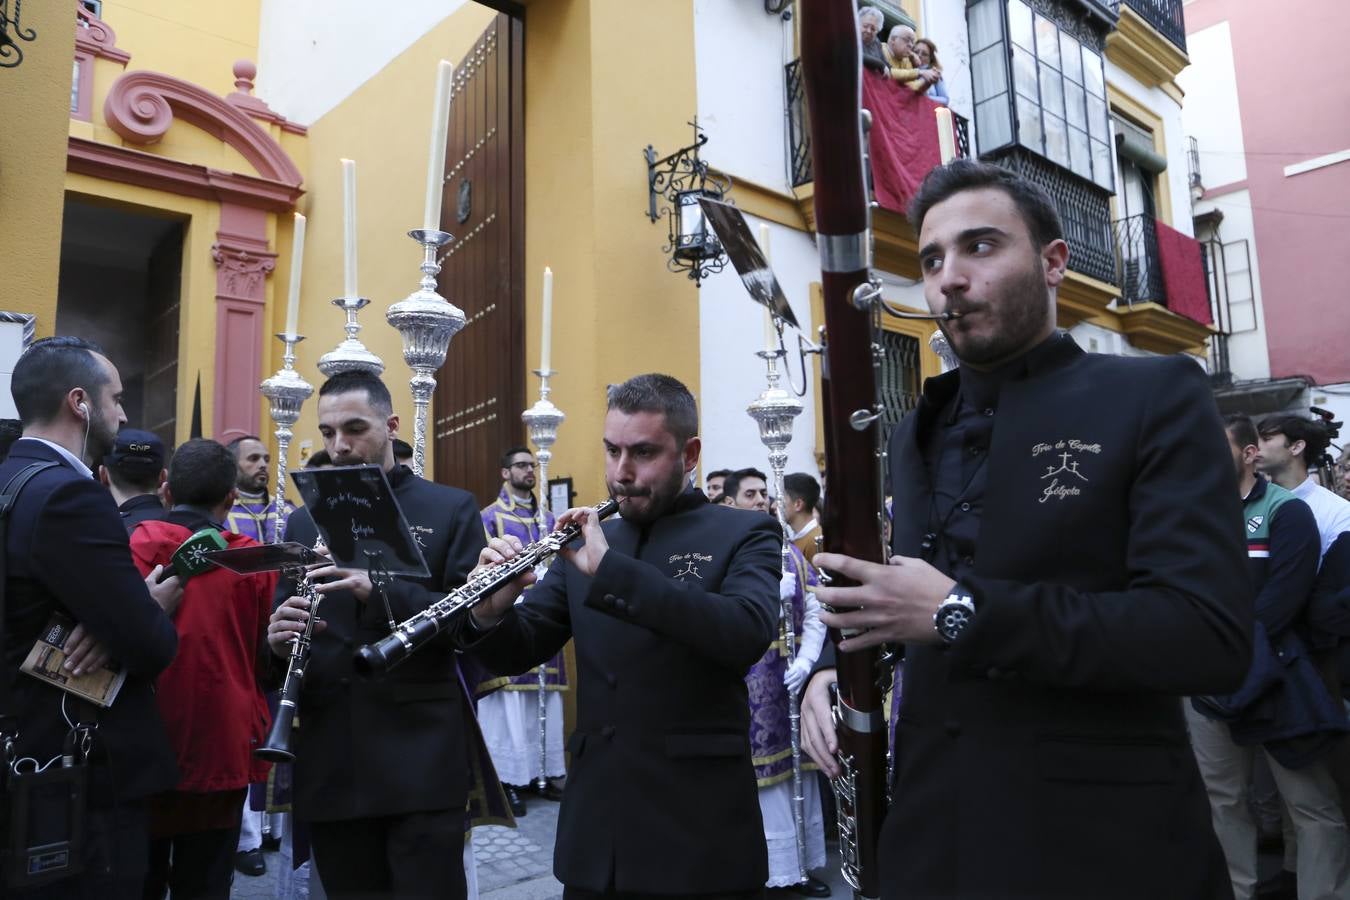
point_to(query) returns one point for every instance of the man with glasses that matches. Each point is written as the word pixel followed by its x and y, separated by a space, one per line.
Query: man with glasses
pixel 508 708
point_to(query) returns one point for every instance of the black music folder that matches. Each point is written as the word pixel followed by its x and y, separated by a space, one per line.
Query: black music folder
pixel 355 510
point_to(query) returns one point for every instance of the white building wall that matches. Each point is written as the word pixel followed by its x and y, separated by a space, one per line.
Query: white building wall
pixel 944 22
pixel 731 330
pixel 313 55
pixel 1213 117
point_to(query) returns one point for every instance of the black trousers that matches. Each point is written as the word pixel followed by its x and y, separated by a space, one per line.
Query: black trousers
pixel 413 855
pixel 192 866
pixel 115 848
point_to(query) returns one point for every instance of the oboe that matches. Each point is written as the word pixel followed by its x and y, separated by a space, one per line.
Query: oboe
pixel 415 632
pixel 278 746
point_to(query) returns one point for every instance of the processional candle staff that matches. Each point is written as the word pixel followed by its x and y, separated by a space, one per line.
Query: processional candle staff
pixel 349 355
pixel 542 420
pixel 947 148
pixel 774 412
pixel 424 319
pixel 286 391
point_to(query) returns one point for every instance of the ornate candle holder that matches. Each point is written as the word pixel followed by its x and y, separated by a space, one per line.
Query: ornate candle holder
pixel 542 421
pixel 774 411
pixel 286 392
pixel 946 355
pixel 427 322
pixel 350 355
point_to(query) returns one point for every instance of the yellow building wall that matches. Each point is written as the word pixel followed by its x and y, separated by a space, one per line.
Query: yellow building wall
pixel 34 100
pixel 594 98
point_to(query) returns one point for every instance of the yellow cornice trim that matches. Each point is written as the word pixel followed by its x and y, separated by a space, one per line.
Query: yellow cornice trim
pixel 1081 298
pixel 1138 48
pixel 1153 327
pixel 764 202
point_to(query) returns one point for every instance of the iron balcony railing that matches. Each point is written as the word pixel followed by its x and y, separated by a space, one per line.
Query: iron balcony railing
pixel 1138 267
pixel 1164 15
pixel 799 132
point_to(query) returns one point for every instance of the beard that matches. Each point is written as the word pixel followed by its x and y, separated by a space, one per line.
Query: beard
pixel 643 505
pixel 374 457
pixel 524 484
pixel 99 440
pixel 1013 318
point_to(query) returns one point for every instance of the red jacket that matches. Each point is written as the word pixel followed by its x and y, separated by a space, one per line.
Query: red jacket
pixel 209 697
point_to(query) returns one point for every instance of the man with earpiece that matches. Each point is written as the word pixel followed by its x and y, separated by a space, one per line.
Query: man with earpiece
pixel 79 774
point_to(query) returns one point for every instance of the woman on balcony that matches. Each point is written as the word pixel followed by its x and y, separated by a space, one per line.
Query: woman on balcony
pixel 926 59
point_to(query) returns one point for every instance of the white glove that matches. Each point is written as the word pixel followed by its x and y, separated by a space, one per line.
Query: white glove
pixel 787 588
pixel 797 673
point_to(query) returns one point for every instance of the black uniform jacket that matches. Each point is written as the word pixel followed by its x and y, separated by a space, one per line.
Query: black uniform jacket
pixel 395 744
pixel 1045 753
pixel 67 550
pixel 661 794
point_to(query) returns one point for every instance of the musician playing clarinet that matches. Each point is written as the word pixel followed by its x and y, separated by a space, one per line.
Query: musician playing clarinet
pixel 1063 570
pixel 669 607
pixel 382 766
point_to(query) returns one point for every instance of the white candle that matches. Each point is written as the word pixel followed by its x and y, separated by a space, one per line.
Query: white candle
pixel 297 258
pixel 770 333
pixel 440 127
pixel 546 342
pixel 349 228
pixel 946 135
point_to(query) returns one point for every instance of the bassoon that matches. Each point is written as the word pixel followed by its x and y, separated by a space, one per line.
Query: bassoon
pixel 831 75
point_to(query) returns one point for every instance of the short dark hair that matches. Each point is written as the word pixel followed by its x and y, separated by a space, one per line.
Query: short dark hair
pixel 1299 428
pixel 716 473
pixel 51 368
pixel 802 487
pixel 732 485
pixel 360 380
pixel 1242 428
pixel 202 473
pixel 318 459
pixel 658 393
pixel 234 445
pixel 1033 203
pixel 10 431
pixel 402 449
pixel 507 454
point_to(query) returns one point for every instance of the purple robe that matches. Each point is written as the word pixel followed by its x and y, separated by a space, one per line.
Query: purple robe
pixel 770 730
pixel 255 515
pixel 510 516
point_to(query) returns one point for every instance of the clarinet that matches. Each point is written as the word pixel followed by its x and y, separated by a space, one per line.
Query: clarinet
pixel 853 450
pixel 278 746
pixel 414 633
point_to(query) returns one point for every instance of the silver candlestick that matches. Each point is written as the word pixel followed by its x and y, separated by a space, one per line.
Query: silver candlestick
pixel 943 348
pixel 286 392
pixel 427 322
pixel 774 412
pixel 543 420
pixel 350 355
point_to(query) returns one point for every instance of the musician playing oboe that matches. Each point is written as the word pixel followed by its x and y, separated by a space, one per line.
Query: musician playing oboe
pixel 382 770
pixel 669 608
pixel 1064 569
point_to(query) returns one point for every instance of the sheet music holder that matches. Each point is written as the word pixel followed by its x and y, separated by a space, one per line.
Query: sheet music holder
pixel 355 510
pixel 746 255
pixel 265 558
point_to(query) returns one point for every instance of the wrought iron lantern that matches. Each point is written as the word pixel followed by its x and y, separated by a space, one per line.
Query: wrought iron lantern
pixel 681 179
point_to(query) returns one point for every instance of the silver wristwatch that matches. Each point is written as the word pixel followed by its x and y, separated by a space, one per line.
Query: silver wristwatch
pixel 954 616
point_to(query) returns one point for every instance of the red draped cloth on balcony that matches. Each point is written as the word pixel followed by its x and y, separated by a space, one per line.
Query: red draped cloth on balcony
pixel 903 140
pixel 1183 272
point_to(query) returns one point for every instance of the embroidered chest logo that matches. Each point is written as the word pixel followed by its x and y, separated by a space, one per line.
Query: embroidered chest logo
pixel 1062 477
pixel 687 565
pixel 419 534
pixel 1254 523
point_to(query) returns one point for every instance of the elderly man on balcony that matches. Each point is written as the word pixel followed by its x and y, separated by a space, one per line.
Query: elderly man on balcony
pixel 900 61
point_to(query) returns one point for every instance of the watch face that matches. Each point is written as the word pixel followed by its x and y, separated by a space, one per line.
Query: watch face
pixel 952 619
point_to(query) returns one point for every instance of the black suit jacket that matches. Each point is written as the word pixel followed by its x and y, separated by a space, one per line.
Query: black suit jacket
pixel 395 744
pixel 67 550
pixel 1045 753
pixel 661 794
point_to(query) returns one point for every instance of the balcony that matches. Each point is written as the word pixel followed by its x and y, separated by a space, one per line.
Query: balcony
pixel 1165 16
pixel 1143 308
pixel 799 132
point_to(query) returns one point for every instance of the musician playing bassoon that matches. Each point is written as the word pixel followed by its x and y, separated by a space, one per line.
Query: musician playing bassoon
pixel 669 608
pixel 1064 569
pixel 382 766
